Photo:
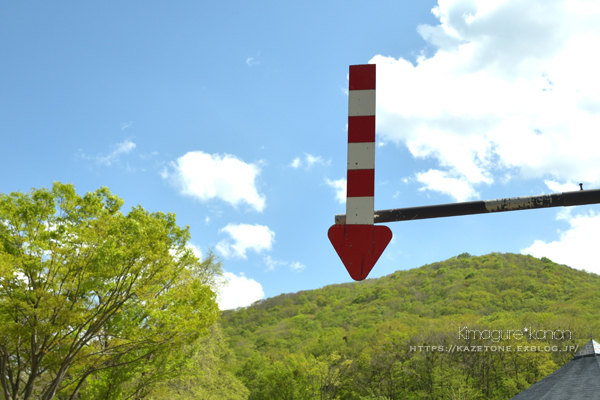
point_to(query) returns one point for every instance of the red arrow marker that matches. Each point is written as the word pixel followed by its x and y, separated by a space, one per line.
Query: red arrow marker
pixel 359 243
pixel 359 246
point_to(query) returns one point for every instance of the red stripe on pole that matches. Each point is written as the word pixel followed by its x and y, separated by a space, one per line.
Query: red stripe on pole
pixel 361 129
pixel 362 77
pixel 361 183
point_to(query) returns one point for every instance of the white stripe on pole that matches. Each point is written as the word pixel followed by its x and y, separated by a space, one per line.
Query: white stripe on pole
pixel 361 155
pixel 361 103
pixel 359 210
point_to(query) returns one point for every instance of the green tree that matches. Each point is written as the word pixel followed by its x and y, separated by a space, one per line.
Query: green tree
pixel 205 375
pixel 86 290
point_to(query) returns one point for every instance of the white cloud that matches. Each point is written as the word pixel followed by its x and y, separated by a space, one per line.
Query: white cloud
pixel 308 162
pixel 148 155
pixel 120 148
pixel 239 292
pixel 576 247
pixel 126 125
pixel 444 182
pixel 312 160
pixel 225 177
pixel 340 189
pixel 245 237
pixel 298 267
pixel 251 62
pixel 561 187
pixel 510 87
pixel 272 264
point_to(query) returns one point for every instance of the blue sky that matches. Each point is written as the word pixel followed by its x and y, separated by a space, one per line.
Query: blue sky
pixel 232 115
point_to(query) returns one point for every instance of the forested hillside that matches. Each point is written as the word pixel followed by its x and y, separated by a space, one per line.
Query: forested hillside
pixel 361 340
pixel 95 304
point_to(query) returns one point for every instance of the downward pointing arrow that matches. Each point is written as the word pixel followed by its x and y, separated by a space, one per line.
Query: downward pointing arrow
pixel 358 242
pixel 359 246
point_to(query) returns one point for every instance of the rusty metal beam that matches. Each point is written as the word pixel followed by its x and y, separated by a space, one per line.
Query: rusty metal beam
pixel 565 199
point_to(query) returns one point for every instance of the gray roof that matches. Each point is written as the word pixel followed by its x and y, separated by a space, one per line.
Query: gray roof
pixel 579 379
pixel 592 347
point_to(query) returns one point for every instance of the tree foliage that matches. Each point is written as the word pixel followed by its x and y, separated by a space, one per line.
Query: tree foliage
pixel 95 304
pixel 205 375
pixel 376 326
pixel 93 300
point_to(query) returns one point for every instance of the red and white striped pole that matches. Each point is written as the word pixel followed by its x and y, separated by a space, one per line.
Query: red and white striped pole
pixel 360 200
pixel 360 243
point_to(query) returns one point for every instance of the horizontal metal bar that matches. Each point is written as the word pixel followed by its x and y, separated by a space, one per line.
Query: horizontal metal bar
pixel 565 199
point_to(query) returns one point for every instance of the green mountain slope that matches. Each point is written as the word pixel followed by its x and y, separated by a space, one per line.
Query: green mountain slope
pixel 361 340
